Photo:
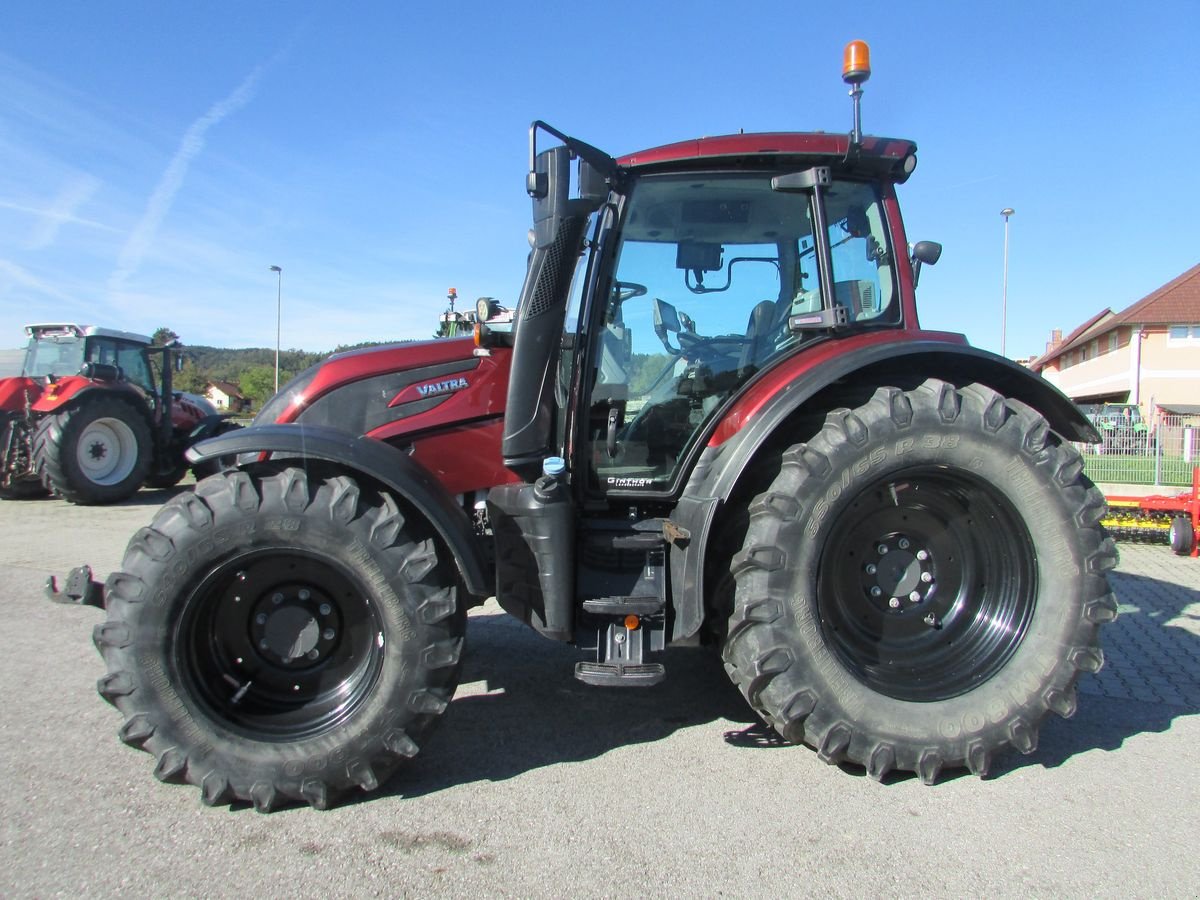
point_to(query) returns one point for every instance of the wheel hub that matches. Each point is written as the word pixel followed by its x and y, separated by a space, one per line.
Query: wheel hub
pixel 294 625
pixel 899 576
pixel 98 450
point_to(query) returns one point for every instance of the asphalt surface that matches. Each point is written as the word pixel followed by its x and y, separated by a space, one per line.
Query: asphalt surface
pixel 538 786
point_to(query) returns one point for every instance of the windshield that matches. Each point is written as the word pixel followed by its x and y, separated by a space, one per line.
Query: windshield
pixel 53 355
pixel 710 271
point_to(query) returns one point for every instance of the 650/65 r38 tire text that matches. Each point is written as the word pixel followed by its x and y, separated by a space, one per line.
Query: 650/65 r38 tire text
pixel 922 583
pixel 280 637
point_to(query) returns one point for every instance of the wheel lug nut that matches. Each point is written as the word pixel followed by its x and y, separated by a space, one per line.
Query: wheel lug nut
pixel 261 618
pixel 922 555
pixel 882 549
pixel 263 645
pixel 313 654
pixel 926 577
pixel 877 591
pixel 304 594
pixel 914 596
pixel 328 634
pixel 903 543
pixel 872 568
pixel 894 602
pixel 326 609
pixel 932 621
pixel 277 598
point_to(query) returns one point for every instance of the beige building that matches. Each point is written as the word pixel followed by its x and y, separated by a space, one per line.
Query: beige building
pixel 226 397
pixel 1147 354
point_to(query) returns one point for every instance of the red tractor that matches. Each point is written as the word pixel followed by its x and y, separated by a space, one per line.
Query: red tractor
pixel 86 421
pixel 716 420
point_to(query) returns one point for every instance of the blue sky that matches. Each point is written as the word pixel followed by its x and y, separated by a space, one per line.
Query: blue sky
pixel 156 158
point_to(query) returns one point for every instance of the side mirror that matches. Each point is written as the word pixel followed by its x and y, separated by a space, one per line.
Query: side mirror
pixel 924 252
pixel 549 184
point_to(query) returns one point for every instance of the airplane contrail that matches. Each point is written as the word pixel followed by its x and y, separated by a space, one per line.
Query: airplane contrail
pixel 168 186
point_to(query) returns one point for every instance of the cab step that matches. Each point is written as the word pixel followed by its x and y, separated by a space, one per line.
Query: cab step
pixel 624 606
pixel 620 674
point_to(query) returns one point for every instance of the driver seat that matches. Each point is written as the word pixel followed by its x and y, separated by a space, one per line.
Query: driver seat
pixel 760 338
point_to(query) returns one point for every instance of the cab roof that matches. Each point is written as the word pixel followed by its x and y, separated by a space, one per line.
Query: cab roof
pixel 685 154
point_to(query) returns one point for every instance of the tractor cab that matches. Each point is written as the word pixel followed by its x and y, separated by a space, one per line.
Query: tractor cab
pixel 58 350
pixel 660 291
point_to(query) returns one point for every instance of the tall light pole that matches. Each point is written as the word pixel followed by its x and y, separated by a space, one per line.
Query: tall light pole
pixel 1006 212
pixel 279 311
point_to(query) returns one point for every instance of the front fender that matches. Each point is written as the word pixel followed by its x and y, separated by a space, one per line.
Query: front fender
pixel 382 463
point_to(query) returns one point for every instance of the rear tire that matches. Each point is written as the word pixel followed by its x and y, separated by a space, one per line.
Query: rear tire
pixel 95 451
pixel 279 637
pixel 922 583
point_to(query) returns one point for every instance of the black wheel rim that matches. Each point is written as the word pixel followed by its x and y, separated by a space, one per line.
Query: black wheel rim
pixel 279 645
pixel 926 584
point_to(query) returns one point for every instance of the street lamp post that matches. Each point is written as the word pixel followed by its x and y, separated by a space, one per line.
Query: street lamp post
pixel 1006 212
pixel 279 311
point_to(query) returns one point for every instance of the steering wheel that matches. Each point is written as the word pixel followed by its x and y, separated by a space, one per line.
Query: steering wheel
pixel 627 290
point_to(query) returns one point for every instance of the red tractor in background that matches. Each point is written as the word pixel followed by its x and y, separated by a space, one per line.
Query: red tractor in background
pixel 885 532
pixel 85 419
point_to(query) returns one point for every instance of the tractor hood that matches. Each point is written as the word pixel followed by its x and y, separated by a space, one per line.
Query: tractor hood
pixel 394 389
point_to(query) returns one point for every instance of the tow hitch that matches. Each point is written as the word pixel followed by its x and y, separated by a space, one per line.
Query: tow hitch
pixel 80 588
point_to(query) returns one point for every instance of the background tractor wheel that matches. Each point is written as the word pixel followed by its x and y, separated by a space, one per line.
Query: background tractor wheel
pixel 922 583
pixel 97 450
pixel 164 480
pixel 281 637
pixel 213 466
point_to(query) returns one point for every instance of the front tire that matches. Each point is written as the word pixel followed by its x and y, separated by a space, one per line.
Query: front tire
pixel 95 451
pixel 922 583
pixel 280 637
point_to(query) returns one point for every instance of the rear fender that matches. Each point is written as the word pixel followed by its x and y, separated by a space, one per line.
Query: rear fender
pixel 59 393
pixel 782 396
pixel 381 463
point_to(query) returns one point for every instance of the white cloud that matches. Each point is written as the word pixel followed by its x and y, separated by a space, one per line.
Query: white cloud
pixel 74 194
pixel 14 276
pixel 159 204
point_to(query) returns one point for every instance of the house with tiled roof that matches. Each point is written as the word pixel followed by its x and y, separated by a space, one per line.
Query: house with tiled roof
pixel 1147 354
pixel 227 397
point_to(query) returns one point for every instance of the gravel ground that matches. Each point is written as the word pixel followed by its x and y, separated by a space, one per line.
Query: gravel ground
pixel 538 786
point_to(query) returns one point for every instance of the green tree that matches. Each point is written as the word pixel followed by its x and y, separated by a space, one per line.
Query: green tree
pixel 190 379
pixel 258 383
pixel 163 336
